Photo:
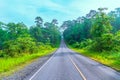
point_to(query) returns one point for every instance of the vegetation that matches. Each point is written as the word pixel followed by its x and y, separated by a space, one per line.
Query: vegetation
pixel 111 59
pixel 9 65
pixel 19 44
pixel 97 35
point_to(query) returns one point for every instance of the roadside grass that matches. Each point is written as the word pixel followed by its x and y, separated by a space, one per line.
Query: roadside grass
pixel 10 65
pixel 111 59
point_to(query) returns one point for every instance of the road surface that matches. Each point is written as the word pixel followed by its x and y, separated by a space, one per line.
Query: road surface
pixel 68 65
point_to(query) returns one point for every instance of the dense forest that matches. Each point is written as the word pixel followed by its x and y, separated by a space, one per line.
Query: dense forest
pixel 97 31
pixel 17 39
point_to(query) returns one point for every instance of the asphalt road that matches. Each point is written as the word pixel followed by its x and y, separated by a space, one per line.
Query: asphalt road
pixel 68 65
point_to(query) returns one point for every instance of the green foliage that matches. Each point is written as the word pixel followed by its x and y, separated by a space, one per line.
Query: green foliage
pixel 103 39
pixel 101 25
pixel 38 21
pixel 49 34
pixel 26 44
pixel 76 45
pixel 96 33
pixel 11 48
pixel 116 23
pixel 12 63
pixel 19 46
pixel 17 39
pixel 117 41
pixel 86 43
pixel 77 32
pixel 104 43
pixel 107 42
pixel 36 33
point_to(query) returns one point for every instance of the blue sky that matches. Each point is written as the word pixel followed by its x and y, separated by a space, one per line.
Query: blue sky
pixel 26 10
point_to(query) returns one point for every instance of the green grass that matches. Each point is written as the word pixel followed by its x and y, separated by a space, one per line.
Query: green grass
pixel 111 59
pixel 9 65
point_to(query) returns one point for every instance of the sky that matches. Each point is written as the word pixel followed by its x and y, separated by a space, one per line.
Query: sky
pixel 26 10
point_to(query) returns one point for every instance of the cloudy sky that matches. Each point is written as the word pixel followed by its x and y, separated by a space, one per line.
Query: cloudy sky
pixel 26 10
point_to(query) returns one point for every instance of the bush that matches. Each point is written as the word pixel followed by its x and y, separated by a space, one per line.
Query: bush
pixel 107 42
pixel 20 46
pixel 26 44
pixel 76 45
pixel 103 43
pixel 2 54
pixel 71 42
pixel 86 43
pixel 117 41
pixel 11 48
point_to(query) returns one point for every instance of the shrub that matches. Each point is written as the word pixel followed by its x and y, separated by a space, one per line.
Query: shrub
pixel 71 42
pixel 76 45
pixel 19 46
pixel 26 44
pixel 11 48
pixel 86 43
pixel 117 41
pixel 107 42
pixel 103 43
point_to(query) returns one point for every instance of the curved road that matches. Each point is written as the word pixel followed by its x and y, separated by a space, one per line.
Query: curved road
pixel 68 65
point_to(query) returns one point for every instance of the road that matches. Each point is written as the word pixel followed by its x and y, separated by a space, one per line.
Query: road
pixel 65 64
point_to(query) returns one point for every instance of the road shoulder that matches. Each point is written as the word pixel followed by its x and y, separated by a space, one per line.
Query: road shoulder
pixel 28 70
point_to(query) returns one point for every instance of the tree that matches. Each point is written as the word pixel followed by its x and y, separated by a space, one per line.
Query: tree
pixel 76 31
pixel 12 31
pixel 36 32
pixel 22 29
pixel 54 21
pixel 48 34
pixel 3 34
pixel 53 32
pixel 101 24
pixel 116 22
pixel 118 12
pixel 38 21
pixel 47 24
pixel 101 32
pixel 117 41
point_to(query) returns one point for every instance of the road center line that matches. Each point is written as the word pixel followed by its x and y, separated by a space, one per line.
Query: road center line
pixel 42 67
pixel 77 68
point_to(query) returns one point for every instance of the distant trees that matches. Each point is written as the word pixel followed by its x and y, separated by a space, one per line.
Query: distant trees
pixel 38 21
pixel 98 32
pixel 116 22
pixel 48 34
pixel 76 32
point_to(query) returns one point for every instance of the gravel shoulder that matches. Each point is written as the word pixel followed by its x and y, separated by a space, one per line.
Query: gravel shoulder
pixel 28 70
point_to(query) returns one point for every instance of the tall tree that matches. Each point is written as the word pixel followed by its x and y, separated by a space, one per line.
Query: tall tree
pixel 118 12
pixel 38 21
pixel 54 21
pixel 101 24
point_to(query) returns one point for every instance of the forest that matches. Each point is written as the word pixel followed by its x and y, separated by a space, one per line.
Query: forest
pixel 97 35
pixel 18 39
pixel 20 44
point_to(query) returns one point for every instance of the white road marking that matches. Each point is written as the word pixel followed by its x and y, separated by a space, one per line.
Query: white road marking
pixel 41 67
pixel 78 69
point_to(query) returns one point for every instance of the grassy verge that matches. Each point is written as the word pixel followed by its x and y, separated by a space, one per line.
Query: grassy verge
pixel 10 65
pixel 111 59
